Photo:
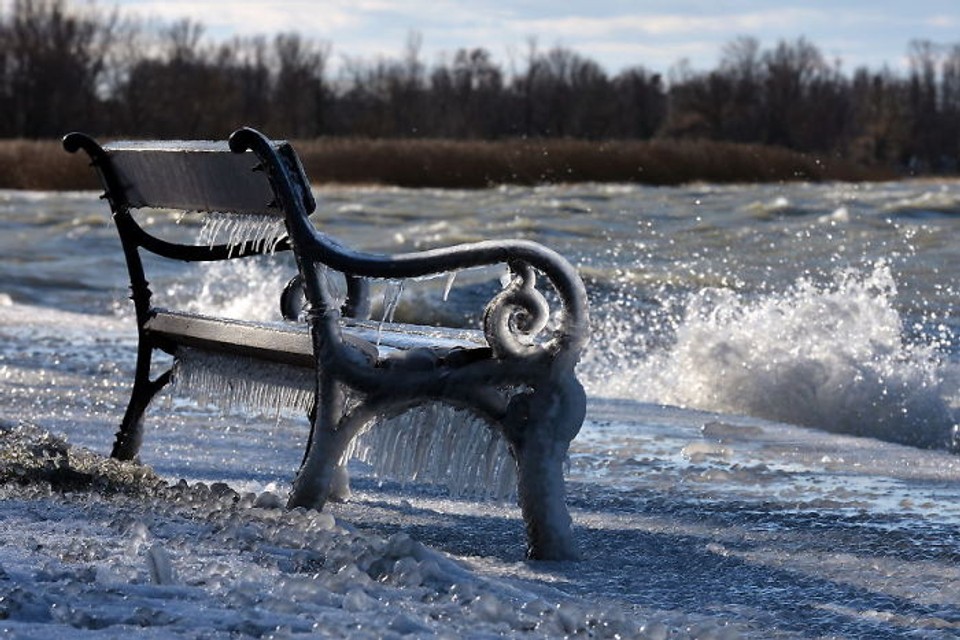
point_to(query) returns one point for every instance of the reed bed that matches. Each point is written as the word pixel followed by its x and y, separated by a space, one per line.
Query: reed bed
pixel 466 164
pixel 43 165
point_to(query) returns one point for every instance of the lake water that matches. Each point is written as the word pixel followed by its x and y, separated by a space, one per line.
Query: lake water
pixel 773 380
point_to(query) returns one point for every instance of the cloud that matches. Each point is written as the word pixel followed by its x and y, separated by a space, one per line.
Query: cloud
pixel 671 24
pixel 616 34
pixel 248 17
pixel 942 22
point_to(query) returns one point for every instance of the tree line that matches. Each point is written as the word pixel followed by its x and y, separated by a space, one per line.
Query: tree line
pixel 77 66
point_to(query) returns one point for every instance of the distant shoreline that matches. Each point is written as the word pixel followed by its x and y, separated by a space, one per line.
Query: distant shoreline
pixel 471 164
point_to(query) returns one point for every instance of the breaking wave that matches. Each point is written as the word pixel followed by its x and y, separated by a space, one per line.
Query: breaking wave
pixel 830 355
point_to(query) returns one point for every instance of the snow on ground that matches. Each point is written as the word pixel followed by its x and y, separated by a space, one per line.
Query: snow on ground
pixel 91 547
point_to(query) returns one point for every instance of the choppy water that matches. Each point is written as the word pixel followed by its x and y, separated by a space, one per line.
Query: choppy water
pixel 741 336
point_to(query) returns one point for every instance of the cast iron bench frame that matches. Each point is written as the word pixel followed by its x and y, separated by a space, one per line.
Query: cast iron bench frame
pixel 518 375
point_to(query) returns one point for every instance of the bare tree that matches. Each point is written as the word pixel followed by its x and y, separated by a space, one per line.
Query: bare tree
pixel 465 97
pixel 878 132
pixel 564 94
pixel 790 70
pixel 742 65
pixel 53 61
pixel 641 103
pixel 299 93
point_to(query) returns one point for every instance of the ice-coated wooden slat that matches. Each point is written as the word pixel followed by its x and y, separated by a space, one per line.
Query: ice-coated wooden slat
pixel 192 176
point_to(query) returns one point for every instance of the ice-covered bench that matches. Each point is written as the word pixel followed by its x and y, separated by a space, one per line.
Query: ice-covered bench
pixel 516 372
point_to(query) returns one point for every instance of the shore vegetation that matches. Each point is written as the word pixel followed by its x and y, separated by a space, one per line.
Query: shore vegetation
pixel 43 165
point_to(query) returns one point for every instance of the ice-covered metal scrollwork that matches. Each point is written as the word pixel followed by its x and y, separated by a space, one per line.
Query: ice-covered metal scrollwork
pixel 514 319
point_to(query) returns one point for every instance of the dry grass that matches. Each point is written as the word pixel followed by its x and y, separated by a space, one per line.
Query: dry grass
pixel 42 165
pixel 475 164
pixel 449 163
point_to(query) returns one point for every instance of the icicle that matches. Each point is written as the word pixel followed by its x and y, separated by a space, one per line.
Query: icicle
pixel 391 299
pixel 233 382
pixel 233 229
pixel 448 285
pixel 335 285
pixel 437 444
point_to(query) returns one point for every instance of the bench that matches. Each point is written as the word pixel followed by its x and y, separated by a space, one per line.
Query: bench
pixel 516 372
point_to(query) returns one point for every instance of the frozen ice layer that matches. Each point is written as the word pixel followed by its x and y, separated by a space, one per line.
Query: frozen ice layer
pixel 437 444
pixel 234 383
pixel 129 554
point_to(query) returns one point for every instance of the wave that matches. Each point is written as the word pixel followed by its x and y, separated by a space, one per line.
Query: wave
pixel 926 205
pixel 828 355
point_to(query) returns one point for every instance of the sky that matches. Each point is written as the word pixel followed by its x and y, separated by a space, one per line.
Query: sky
pixel 615 33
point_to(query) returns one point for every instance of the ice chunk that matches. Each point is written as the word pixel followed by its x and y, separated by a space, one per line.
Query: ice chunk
pixel 357 600
pixel 160 566
pixel 697 452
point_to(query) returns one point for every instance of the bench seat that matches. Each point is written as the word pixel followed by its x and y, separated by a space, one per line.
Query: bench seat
pixel 290 342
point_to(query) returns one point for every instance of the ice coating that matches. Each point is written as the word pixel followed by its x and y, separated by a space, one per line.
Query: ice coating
pixel 440 445
pixel 235 383
pixel 433 443
pixel 391 298
pixel 448 284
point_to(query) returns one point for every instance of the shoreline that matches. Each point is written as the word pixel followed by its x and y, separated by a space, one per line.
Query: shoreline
pixel 476 164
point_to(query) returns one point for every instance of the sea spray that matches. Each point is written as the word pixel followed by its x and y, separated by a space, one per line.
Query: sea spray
pixel 246 289
pixel 829 355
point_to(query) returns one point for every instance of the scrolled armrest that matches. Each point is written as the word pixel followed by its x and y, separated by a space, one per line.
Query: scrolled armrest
pixel 516 316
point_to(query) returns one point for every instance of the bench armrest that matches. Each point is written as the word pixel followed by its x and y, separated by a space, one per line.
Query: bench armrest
pixel 511 320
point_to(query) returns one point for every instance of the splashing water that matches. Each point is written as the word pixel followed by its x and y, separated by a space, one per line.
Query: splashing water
pixel 246 289
pixel 829 355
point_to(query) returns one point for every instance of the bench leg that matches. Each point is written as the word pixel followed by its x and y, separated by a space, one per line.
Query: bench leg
pixel 540 427
pixel 130 436
pixel 323 475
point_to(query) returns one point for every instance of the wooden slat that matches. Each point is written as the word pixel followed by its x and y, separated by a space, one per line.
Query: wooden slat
pixel 192 176
pixel 290 343
pixel 284 343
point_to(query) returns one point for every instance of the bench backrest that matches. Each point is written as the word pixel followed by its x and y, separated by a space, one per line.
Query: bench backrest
pixel 255 188
pixel 196 176
pixel 192 176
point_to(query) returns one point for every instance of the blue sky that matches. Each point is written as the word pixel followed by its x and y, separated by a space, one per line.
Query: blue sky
pixel 615 33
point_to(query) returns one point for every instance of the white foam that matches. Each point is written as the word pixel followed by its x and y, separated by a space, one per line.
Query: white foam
pixel 827 355
pixel 242 289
